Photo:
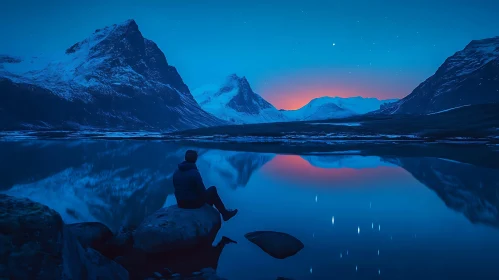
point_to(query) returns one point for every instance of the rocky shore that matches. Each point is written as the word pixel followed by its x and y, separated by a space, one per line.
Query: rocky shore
pixel 37 244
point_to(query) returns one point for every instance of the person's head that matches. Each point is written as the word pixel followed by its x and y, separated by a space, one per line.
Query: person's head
pixel 191 156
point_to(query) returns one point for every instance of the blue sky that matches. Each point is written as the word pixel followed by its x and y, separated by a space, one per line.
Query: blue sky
pixel 290 51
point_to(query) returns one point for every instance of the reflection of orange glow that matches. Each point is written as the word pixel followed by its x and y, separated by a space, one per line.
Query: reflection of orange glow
pixel 296 169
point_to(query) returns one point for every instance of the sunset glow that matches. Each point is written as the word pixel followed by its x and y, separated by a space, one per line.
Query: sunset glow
pixel 295 90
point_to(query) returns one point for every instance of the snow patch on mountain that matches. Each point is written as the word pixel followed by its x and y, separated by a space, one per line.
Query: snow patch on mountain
pixel 336 107
pixel 235 102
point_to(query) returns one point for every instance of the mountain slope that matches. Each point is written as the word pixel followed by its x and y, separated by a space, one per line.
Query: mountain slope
pixel 235 102
pixel 335 107
pixel 113 79
pixel 471 76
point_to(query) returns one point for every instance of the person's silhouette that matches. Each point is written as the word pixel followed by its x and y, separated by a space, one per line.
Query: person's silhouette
pixel 190 190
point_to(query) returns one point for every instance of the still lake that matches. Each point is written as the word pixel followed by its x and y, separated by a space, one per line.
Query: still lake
pixel 359 216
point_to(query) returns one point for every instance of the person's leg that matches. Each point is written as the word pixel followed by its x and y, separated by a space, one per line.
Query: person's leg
pixel 212 198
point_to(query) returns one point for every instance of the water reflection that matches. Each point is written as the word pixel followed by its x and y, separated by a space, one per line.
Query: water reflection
pixel 116 182
pixel 120 182
pixel 466 188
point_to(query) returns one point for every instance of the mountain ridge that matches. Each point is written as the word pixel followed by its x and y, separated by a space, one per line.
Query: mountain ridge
pixel 470 76
pixel 115 78
pixel 328 107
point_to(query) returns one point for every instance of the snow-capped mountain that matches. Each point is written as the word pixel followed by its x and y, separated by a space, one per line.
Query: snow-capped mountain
pixel 335 107
pixel 470 76
pixel 235 102
pixel 113 79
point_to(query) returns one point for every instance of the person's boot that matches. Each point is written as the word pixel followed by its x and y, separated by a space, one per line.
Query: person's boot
pixel 225 240
pixel 227 215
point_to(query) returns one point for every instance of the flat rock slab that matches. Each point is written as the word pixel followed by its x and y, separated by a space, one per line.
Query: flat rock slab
pixel 171 229
pixel 277 244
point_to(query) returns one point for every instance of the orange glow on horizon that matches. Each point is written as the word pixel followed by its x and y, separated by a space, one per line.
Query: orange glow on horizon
pixel 291 92
pixel 296 98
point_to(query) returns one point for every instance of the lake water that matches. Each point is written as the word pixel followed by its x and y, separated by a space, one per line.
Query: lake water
pixel 360 217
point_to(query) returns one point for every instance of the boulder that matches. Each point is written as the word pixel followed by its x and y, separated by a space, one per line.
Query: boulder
pixel 91 234
pixel 121 243
pixel 277 244
pixel 30 240
pixel 170 229
pixel 104 268
pixel 35 244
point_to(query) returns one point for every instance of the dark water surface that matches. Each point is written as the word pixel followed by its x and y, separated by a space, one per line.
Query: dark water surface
pixel 371 216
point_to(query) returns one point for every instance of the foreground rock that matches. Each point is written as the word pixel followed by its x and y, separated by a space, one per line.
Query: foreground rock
pixel 170 229
pixel 277 244
pixel 35 244
pixel 91 234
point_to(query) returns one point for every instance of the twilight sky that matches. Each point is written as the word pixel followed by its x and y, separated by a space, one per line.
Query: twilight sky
pixel 290 50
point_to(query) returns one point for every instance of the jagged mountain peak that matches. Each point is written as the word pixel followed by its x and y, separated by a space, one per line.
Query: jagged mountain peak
pixel 127 30
pixel 494 41
pixel 233 80
pixel 235 101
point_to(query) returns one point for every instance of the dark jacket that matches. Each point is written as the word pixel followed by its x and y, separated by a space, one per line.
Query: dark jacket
pixel 188 184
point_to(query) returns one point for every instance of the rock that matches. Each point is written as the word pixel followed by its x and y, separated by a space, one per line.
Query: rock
pixel 30 239
pixel 92 234
pixel 277 244
pixel 170 229
pixel 103 268
pixel 208 270
pixel 121 244
pixel 35 244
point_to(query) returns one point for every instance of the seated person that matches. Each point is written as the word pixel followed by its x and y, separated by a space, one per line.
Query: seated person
pixel 190 191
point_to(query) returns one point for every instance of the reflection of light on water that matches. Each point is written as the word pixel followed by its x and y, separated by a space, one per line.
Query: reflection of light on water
pixel 378 252
pixel 379 271
pixel 370 204
pixel 356 268
pixel 379 227
pixel 310 270
pixel 347 252
pixel 313 235
pixel 391 237
pixel 315 198
pixel 332 220
pixel 358 230
pixel 341 255
pixel 372 225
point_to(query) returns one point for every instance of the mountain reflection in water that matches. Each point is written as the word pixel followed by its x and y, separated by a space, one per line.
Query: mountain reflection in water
pixel 398 217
